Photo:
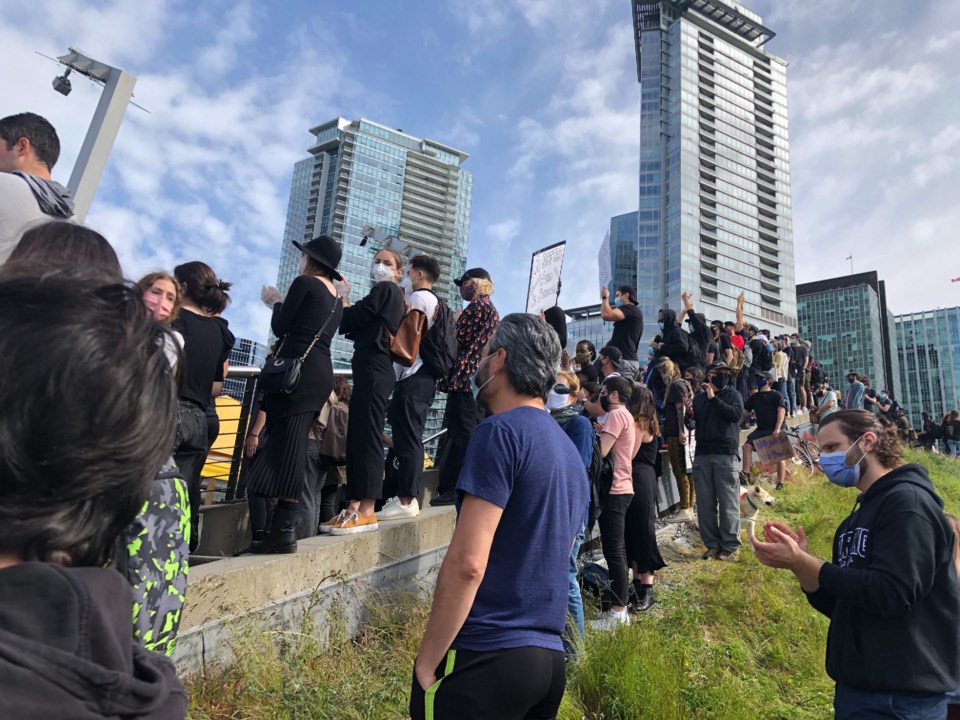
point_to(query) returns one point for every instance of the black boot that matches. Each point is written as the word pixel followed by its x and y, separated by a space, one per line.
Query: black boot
pixel 282 537
pixel 644 598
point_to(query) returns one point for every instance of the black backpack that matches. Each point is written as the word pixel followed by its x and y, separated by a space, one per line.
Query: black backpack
pixel 438 348
pixel 762 357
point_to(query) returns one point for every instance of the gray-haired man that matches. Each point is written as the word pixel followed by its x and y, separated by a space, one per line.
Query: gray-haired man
pixel 493 646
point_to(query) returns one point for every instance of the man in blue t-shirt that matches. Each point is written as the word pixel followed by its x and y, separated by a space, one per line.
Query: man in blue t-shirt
pixel 493 647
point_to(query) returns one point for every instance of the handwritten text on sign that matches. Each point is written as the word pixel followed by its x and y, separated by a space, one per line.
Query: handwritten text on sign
pixel 545 267
pixel 603 260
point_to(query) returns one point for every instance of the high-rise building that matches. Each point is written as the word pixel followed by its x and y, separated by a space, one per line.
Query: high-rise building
pixel 245 353
pixel 928 346
pixel 715 212
pixel 361 175
pixel 623 250
pixel 848 322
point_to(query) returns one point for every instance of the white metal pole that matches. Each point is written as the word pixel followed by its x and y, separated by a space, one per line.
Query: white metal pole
pixel 99 141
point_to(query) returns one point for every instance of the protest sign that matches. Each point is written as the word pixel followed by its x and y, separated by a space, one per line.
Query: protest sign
pixel 773 449
pixel 603 260
pixel 545 267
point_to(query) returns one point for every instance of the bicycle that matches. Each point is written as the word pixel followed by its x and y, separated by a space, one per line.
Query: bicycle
pixel 806 452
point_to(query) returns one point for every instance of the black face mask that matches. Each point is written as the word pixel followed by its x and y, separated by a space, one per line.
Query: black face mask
pixel 719 381
pixel 605 403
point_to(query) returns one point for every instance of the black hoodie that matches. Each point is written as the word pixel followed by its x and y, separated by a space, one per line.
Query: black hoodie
pixel 891 592
pixel 67 650
pixel 675 340
pixel 718 421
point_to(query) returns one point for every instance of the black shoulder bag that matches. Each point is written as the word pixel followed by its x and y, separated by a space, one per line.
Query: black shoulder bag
pixel 281 375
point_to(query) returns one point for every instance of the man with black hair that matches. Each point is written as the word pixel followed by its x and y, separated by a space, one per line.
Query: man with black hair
pixel 627 321
pixel 717 408
pixel 412 396
pixel 69 490
pixel 29 148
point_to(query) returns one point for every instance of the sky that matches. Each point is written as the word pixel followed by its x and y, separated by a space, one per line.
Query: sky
pixel 543 96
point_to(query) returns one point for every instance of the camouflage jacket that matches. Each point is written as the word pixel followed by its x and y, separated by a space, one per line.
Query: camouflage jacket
pixel 154 558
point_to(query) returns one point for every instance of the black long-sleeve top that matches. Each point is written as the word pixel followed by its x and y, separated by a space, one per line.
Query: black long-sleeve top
pixel 363 322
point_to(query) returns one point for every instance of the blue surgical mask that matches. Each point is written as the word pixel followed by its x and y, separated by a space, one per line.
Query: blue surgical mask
pixel 834 466
pixel 761 383
pixel 617 301
pixel 477 387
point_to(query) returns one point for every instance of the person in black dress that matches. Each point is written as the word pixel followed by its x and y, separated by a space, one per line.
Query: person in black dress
pixel 367 323
pixel 308 316
pixel 640 530
pixel 207 342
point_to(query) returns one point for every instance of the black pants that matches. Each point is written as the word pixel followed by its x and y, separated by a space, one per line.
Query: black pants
pixel 190 453
pixel 373 379
pixel 461 419
pixel 308 507
pixel 526 682
pixel 612 524
pixel 412 398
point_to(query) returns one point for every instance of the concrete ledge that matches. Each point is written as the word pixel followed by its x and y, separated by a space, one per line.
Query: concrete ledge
pixel 327 572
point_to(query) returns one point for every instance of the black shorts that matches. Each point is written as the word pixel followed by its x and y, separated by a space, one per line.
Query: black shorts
pixel 526 682
pixel 758 434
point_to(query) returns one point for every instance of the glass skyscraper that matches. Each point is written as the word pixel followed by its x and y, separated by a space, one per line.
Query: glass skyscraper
pixel 929 354
pixel 623 250
pixel 362 174
pixel 847 321
pixel 715 213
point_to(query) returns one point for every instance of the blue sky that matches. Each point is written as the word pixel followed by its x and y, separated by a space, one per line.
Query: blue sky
pixel 541 94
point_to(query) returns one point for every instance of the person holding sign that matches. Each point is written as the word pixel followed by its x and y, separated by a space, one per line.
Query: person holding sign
pixel 770 410
pixel 627 321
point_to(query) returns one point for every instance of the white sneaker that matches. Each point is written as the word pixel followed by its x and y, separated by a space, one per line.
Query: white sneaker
pixel 611 620
pixel 395 510
pixel 682 516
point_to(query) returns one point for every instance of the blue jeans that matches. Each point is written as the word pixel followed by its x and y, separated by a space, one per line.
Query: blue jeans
pixel 954 446
pixel 791 395
pixel 574 599
pixel 849 704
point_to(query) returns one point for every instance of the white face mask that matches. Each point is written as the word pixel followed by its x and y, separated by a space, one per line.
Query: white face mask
pixel 406 284
pixel 382 273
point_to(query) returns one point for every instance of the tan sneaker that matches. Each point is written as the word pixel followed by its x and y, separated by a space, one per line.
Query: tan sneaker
pixel 682 516
pixel 356 523
pixel 326 527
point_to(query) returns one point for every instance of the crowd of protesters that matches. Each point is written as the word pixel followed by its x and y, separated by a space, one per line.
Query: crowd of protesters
pixel 99 517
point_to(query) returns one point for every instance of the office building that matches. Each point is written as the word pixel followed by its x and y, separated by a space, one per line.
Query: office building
pixel 365 181
pixel 585 323
pixel 361 175
pixel 622 247
pixel 245 354
pixel 928 346
pixel 715 213
pixel 848 322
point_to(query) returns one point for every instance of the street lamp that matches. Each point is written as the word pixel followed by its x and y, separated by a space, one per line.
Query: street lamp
pixel 117 91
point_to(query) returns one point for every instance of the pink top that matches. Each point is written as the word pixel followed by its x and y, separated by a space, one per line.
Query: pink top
pixel 619 424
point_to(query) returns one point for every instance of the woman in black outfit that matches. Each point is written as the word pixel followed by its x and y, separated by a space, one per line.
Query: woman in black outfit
pixel 207 342
pixel 308 316
pixel 366 323
pixel 640 531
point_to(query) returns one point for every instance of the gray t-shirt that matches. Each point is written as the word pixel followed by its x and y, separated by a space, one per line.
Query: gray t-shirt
pixel 18 210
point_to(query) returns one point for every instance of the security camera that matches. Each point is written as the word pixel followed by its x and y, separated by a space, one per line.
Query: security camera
pixel 62 84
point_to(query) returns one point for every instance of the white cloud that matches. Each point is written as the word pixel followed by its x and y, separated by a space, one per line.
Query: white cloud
pixel 205 175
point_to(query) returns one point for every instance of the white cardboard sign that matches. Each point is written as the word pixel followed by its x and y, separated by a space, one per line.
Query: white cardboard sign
pixel 603 260
pixel 544 287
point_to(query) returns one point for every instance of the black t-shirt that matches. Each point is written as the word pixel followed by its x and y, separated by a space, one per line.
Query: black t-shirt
pixel 714 348
pixel 627 332
pixel 207 342
pixel 798 360
pixel 557 319
pixel 676 393
pixel 765 405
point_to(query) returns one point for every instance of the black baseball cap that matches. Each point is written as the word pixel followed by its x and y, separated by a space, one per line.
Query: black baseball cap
pixel 613 355
pixel 473 274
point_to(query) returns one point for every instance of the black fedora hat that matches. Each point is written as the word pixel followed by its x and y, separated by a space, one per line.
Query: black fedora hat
pixel 472 274
pixel 324 250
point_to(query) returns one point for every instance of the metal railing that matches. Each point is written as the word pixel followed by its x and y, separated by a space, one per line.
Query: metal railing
pixel 224 471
